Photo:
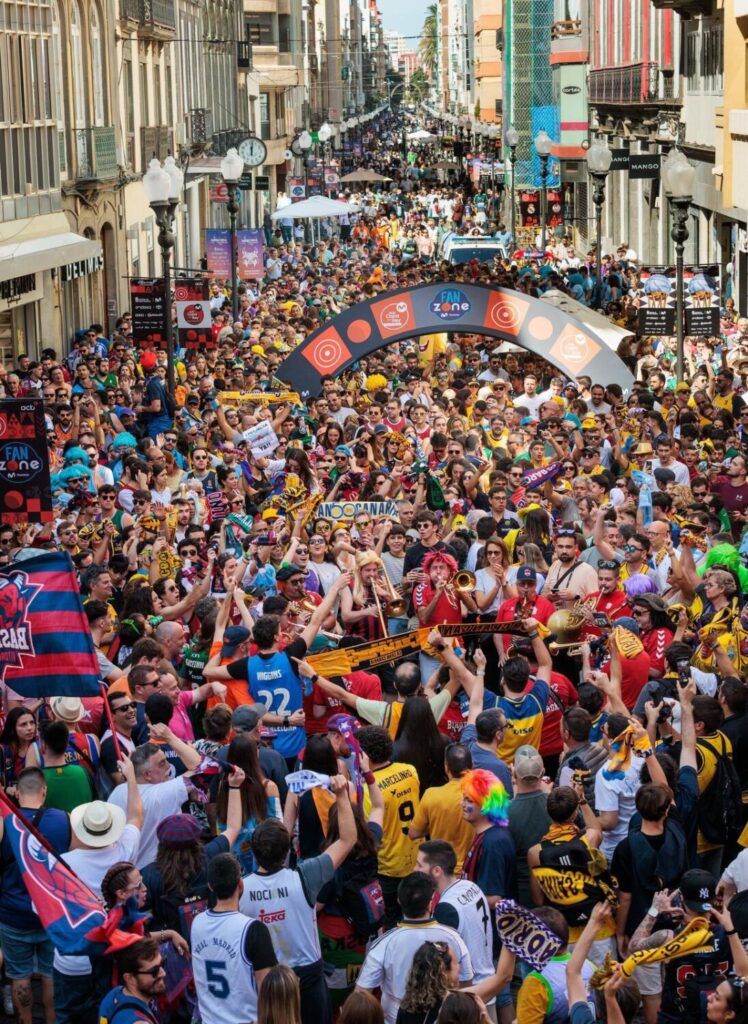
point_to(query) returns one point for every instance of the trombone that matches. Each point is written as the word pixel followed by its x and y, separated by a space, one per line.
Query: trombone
pixel 396 605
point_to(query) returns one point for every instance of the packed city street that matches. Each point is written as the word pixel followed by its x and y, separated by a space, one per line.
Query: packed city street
pixel 373 505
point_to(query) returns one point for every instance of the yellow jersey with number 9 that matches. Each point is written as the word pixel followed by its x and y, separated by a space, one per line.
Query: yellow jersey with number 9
pixel 400 788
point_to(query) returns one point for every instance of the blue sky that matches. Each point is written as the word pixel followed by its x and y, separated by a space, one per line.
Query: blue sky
pixel 404 16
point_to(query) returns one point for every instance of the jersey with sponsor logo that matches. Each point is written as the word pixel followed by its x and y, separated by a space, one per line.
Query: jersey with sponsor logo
pixel 400 788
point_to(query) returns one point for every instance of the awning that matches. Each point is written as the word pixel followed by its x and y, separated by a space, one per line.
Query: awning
pixel 205 165
pixel 41 243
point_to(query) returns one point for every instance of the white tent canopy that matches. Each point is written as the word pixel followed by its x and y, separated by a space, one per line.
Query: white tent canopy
pixel 421 136
pixel 316 207
pixel 604 328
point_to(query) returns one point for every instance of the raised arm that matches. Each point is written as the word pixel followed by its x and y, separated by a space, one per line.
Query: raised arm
pixel 339 850
pixel 188 755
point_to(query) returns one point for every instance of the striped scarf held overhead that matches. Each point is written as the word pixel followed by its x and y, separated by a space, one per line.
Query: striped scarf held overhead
pixel 622 750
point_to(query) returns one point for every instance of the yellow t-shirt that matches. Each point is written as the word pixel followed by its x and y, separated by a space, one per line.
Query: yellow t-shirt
pixel 439 816
pixel 706 766
pixel 400 790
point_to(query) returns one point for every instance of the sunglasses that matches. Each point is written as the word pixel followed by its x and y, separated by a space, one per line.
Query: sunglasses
pixel 565 532
pixel 192 553
pixel 606 563
pixel 632 547
pixel 153 972
pixel 139 501
pixel 126 707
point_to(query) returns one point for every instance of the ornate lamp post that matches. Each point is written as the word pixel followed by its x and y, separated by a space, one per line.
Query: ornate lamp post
pixel 512 140
pixel 543 146
pixel 599 158
pixel 163 185
pixel 679 177
pixel 232 167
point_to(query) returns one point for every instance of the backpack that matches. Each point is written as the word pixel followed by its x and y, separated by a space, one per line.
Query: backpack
pixel 720 807
pixel 178 912
pixel 361 901
pixel 129 1004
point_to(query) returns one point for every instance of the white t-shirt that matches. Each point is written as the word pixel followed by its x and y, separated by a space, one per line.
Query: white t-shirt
pixel 90 865
pixel 159 801
pixel 617 795
pixel 530 402
pixel 682 476
pixel 389 960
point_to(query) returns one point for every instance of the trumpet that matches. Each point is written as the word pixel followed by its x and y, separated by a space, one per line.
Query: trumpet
pixel 396 604
pixel 463 582
pixel 305 604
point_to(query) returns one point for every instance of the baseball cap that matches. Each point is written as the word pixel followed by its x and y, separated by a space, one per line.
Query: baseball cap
pixel 526 574
pixel 247 717
pixel 682 387
pixel 528 764
pixel 629 623
pixel 234 636
pixel 343 449
pixel 287 572
pixel 148 360
pixel 528 421
pixel 698 889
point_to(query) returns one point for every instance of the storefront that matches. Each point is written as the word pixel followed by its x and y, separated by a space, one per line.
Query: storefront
pixel 31 251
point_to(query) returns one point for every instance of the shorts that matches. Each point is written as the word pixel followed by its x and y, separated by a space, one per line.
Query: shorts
pixel 26 952
pixel 649 979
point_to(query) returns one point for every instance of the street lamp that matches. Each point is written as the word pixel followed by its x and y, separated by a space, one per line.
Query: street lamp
pixel 163 185
pixel 543 147
pixel 232 168
pixel 512 140
pixel 599 158
pixel 304 143
pixel 679 178
pixel 324 135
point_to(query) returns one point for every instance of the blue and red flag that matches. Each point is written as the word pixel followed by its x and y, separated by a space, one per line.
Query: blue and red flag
pixel 46 649
pixel 71 915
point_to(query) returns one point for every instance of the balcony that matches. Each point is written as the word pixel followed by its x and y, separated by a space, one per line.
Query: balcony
pixel 96 154
pixel 199 126
pixel 628 84
pixel 155 18
pixel 155 141
pixel 566 29
pixel 688 8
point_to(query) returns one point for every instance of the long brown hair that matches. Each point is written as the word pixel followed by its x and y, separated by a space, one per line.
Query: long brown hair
pixel 243 752
pixel 361 1007
pixel 178 866
pixel 365 845
pixel 280 1000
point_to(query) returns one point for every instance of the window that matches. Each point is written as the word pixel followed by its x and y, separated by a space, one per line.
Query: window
pixel 157 91
pixel 692 60
pixel 97 68
pixel 58 89
pixel 144 94
pixel 264 116
pixel 76 56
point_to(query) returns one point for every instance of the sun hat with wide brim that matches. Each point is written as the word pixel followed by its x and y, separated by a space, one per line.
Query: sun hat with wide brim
pixel 67 709
pixel 98 823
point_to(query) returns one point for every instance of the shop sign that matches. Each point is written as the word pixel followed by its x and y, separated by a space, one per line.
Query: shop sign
pixel 18 291
pixel 81 268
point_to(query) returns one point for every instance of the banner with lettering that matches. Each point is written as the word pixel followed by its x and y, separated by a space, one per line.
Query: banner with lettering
pixel 250 254
pixel 657 301
pixel 193 313
pixel 525 935
pixel 218 251
pixel 25 492
pixel 148 310
pixel 554 208
pixel 348 510
pixel 701 300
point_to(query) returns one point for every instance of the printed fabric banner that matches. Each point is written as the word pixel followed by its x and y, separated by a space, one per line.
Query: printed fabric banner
pixel 218 251
pixel 525 935
pixel 529 209
pixel 554 208
pixel 348 510
pixel 251 262
pixel 25 493
pixel 701 300
pixel 148 310
pixel 193 313
pixel 46 648
pixel 657 309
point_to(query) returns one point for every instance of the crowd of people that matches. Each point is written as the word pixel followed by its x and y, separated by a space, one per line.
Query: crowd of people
pixel 578 748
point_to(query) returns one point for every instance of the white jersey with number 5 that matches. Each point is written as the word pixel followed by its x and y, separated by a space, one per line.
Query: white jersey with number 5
pixel 224 978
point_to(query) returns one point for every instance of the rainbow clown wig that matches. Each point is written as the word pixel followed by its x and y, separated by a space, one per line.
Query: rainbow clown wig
pixel 483 789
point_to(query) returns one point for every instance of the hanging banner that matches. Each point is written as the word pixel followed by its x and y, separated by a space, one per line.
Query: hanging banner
pixel 529 208
pixel 148 310
pixel 657 309
pixel 193 312
pixel 218 251
pixel 25 493
pixel 554 209
pixel 701 300
pixel 296 189
pixel 251 264
pixel 644 165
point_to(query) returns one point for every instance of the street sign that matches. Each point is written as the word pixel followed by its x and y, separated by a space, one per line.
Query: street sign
pixel 644 165
pixel 245 182
pixel 262 183
pixel 620 161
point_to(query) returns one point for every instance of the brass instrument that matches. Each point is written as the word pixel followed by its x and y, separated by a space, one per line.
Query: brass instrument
pixel 567 624
pixel 396 605
pixel 463 581
pixel 694 534
pixel 304 605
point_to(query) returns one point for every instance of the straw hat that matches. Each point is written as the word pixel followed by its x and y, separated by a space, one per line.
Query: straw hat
pixel 67 709
pixel 98 823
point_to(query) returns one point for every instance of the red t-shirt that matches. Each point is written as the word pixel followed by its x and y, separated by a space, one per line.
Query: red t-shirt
pixel 634 675
pixel 362 684
pixel 541 610
pixel 656 642
pixel 447 608
pixel 562 695
pixel 612 605
pixel 452 722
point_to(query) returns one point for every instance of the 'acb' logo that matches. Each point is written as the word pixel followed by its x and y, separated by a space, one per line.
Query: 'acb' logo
pixel 19 462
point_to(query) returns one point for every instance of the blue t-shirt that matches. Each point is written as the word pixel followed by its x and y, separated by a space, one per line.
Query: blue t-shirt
pixel 126 1009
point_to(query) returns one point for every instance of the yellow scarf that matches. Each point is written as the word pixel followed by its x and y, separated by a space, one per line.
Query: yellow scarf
pixel 694 938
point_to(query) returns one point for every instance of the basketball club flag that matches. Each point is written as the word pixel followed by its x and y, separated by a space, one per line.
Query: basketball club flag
pixel 71 914
pixel 46 649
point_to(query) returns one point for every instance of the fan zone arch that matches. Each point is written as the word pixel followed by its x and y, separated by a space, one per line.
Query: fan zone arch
pixel 572 347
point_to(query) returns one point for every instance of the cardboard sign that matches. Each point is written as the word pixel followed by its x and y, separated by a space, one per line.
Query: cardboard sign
pixel 262 440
